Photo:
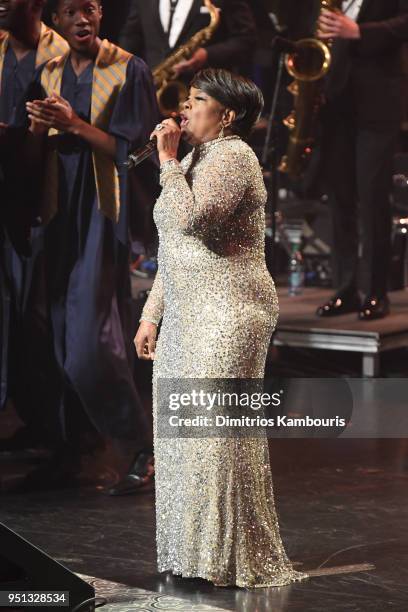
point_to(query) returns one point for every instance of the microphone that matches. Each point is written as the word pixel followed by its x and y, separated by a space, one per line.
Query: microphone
pixel 136 158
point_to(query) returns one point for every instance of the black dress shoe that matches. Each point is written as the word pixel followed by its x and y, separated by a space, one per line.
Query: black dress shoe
pixel 374 308
pixel 339 304
pixel 139 478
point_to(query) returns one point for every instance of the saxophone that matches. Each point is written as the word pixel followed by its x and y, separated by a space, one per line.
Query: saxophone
pixel 308 65
pixel 171 92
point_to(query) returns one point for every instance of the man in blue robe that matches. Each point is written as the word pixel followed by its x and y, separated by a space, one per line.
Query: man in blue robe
pixel 88 109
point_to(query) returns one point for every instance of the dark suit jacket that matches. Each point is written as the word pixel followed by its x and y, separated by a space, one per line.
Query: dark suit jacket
pixel 366 74
pixel 143 33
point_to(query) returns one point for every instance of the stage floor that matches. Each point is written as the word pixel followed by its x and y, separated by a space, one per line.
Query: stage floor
pixel 298 326
pixel 340 503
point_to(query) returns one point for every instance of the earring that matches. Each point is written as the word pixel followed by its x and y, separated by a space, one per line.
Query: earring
pixel 221 134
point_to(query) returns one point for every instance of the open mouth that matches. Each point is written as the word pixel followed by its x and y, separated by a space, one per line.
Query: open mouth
pixel 83 34
pixel 3 10
pixel 184 121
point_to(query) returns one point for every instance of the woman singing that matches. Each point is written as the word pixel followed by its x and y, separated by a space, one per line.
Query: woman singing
pixel 216 517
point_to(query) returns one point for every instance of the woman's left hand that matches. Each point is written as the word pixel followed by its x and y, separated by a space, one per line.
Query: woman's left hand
pixel 168 139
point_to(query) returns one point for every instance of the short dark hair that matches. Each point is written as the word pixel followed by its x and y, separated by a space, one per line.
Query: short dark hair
pixel 235 92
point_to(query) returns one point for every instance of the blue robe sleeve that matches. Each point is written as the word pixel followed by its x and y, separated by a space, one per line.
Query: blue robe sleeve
pixel 133 119
pixel 34 92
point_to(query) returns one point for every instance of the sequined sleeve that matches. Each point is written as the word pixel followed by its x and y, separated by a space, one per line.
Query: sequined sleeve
pixel 214 194
pixel 154 307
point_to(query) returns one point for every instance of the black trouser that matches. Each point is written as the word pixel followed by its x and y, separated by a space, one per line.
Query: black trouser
pixel 358 164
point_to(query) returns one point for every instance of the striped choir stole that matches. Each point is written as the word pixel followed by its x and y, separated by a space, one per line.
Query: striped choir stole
pixel 50 45
pixel 109 76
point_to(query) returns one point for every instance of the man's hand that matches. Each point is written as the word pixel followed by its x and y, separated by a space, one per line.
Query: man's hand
pixel 336 25
pixel 194 64
pixel 37 128
pixel 53 112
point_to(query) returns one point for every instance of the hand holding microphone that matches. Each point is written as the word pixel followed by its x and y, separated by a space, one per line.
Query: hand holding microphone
pixel 168 135
pixel 164 139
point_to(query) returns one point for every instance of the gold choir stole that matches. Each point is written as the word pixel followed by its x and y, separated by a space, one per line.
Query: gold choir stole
pixel 109 76
pixel 50 45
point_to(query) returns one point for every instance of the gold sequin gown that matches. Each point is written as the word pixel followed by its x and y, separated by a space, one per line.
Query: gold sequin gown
pixel 215 509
